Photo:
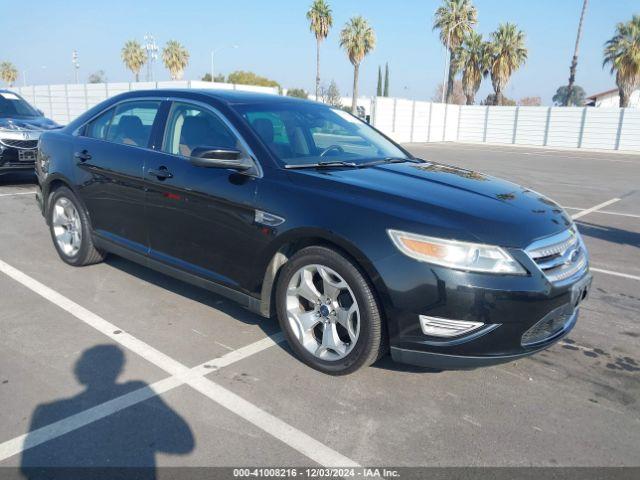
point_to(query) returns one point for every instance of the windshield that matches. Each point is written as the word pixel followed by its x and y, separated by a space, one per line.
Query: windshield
pixel 308 133
pixel 12 106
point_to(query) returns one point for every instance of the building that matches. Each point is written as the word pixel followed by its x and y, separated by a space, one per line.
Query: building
pixel 610 98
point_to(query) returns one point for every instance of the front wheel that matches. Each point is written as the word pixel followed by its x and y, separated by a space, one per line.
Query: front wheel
pixel 328 312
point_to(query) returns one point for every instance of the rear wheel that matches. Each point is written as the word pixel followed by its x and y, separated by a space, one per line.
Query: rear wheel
pixel 70 231
pixel 328 312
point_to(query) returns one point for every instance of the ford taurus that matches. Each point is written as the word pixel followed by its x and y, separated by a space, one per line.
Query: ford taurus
pixel 302 211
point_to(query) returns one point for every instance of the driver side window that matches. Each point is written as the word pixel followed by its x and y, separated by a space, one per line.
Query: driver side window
pixel 191 126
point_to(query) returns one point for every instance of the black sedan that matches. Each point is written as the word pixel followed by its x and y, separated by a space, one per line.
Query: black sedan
pixel 296 209
pixel 20 128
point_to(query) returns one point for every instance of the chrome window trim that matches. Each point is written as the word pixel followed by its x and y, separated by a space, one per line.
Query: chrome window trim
pixel 76 132
pixel 259 173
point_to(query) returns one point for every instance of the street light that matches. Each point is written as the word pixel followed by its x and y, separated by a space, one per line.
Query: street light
pixel 447 53
pixel 215 51
pixel 152 54
pixel 76 64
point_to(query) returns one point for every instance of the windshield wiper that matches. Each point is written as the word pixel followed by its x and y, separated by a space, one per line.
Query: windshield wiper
pixel 340 163
pixel 390 160
pixel 330 164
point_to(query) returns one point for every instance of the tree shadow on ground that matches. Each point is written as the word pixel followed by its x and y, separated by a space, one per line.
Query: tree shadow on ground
pixel 192 292
pixel 610 234
pixel 269 326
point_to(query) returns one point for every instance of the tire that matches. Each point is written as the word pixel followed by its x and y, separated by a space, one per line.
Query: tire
pixel 80 251
pixel 329 271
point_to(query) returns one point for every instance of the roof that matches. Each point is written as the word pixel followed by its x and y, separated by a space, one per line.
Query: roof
pixel 606 92
pixel 227 96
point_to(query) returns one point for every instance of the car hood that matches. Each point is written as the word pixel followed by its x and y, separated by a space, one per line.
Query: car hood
pixel 28 124
pixel 447 201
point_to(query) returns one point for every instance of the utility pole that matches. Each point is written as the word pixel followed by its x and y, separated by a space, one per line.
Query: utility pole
pixel 76 64
pixel 213 52
pixel 574 61
pixel 152 54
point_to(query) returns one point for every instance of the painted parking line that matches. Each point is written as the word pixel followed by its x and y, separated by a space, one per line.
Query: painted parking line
pixel 289 435
pixel 17 193
pixel 606 212
pixel 617 274
pixel 49 432
pixel 61 427
pixel 595 208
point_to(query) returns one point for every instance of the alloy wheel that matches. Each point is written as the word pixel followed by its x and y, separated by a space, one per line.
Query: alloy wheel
pixel 323 312
pixel 67 226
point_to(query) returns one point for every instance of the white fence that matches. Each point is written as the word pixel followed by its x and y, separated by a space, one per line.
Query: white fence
pixel 566 127
pixel 405 120
pixel 63 103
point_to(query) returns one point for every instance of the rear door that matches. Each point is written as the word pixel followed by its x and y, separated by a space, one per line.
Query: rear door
pixel 111 152
pixel 201 219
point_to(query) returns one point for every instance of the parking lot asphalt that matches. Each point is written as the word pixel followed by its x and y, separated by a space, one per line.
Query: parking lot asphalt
pixel 118 365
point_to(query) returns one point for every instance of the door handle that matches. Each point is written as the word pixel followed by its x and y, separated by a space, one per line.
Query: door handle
pixel 83 156
pixel 161 173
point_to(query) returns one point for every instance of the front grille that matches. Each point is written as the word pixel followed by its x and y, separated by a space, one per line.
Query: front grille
pixel 22 144
pixel 552 325
pixel 560 257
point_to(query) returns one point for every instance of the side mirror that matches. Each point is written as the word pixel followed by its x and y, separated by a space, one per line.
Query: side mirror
pixel 40 112
pixel 214 157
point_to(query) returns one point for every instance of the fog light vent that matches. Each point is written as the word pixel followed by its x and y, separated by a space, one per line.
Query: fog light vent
pixel 443 327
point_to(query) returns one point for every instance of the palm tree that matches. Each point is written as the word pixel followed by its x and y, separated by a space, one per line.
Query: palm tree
pixel 472 59
pixel 622 52
pixel 454 19
pixel 319 16
pixel 506 53
pixel 574 61
pixel 134 57
pixel 8 72
pixel 358 39
pixel 175 58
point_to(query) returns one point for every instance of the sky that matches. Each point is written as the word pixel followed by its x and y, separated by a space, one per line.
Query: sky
pixel 274 40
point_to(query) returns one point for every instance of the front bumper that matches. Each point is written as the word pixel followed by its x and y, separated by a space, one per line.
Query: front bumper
pixel 443 361
pixel 520 315
pixel 12 159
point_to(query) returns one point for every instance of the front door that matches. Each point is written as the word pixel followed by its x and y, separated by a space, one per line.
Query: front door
pixel 200 219
pixel 111 152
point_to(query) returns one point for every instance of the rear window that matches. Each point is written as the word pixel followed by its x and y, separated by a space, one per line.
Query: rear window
pixel 129 123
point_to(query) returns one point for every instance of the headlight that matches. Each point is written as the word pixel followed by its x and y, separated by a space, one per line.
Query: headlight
pixel 472 257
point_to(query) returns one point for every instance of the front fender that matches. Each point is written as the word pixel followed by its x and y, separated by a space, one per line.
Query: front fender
pixel 287 244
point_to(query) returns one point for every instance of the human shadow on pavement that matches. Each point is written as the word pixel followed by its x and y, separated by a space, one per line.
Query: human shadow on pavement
pixel 129 438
